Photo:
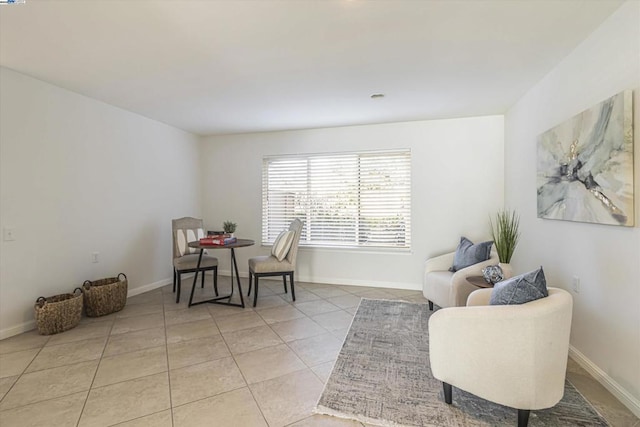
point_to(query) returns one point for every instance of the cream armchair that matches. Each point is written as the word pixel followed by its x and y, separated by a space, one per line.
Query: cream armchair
pixel 513 355
pixel 264 266
pixel 448 289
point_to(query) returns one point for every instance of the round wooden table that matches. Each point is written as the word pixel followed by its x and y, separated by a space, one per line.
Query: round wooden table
pixel 240 243
pixel 479 282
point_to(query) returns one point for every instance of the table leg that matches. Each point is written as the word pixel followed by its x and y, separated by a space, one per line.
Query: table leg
pixel 235 267
pixel 217 299
pixel 233 263
pixel 195 277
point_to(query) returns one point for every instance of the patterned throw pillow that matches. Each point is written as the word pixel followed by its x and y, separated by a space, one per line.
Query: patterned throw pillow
pixel 520 289
pixel 184 236
pixel 468 254
pixel 282 244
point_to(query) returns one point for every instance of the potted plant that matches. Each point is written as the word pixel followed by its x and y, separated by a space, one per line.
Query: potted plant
pixel 229 227
pixel 505 233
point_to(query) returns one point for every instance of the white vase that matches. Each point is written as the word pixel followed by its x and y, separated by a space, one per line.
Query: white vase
pixel 507 271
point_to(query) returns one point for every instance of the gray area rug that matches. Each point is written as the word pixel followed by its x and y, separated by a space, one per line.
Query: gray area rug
pixel 382 377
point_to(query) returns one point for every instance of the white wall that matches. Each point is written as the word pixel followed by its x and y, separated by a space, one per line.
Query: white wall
pixel 605 335
pixel 457 182
pixel 79 176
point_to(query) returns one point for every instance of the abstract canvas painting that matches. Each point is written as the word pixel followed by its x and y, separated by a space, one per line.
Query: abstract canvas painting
pixel 585 165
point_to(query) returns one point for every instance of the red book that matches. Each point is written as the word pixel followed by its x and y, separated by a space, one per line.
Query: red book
pixel 217 241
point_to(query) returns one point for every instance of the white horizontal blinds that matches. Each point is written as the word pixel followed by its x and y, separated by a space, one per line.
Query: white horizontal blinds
pixel 284 189
pixel 333 200
pixel 385 199
pixel 350 199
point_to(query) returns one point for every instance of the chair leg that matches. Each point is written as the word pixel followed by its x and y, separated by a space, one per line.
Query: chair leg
pixel 255 291
pixel 174 280
pixel 250 283
pixel 447 393
pixel 284 282
pixel 179 285
pixel 215 280
pixel 431 305
pixel 202 285
pixel 293 291
pixel 523 417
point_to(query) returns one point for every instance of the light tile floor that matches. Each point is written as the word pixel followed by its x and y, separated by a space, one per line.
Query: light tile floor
pixel 158 363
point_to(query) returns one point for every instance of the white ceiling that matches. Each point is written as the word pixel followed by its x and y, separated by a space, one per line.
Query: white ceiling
pixel 215 67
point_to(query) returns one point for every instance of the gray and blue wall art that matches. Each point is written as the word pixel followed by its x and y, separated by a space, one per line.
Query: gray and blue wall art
pixel 585 165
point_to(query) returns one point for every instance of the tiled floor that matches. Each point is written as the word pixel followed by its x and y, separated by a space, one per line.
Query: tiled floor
pixel 158 363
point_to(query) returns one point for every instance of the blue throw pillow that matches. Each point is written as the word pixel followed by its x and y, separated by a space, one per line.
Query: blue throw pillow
pixel 520 289
pixel 468 254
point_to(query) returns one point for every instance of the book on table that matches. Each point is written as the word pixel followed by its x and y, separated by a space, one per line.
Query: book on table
pixel 218 240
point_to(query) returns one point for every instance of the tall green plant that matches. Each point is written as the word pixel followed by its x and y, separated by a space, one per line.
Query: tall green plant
pixel 505 234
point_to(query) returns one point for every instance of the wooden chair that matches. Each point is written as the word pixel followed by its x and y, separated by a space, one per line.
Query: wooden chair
pixel 263 266
pixel 185 259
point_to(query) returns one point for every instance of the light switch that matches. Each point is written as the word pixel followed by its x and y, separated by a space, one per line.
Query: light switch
pixel 575 284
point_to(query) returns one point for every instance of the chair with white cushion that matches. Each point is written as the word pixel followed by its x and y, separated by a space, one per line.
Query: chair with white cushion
pixel 513 355
pixel 185 259
pixel 450 289
pixel 281 262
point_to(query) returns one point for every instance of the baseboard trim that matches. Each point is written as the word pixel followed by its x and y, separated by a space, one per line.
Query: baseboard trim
pixel 356 282
pixel 18 329
pixel 31 324
pixel 150 287
pixel 607 382
pixel 243 274
pixel 337 281
pixel 27 326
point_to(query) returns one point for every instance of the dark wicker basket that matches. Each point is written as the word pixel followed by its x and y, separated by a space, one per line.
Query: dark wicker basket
pixel 105 296
pixel 58 313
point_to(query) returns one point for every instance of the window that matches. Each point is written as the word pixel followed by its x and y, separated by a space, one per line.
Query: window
pixel 345 199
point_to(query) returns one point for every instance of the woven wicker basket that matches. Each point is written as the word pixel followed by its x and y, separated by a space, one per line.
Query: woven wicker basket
pixel 58 313
pixel 105 296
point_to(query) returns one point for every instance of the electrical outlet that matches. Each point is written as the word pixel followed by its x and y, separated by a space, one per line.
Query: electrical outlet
pixel 8 234
pixel 95 257
pixel 575 284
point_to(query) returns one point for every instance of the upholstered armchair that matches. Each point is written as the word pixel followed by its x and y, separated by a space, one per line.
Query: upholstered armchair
pixel 513 355
pixel 270 265
pixel 448 289
pixel 185 259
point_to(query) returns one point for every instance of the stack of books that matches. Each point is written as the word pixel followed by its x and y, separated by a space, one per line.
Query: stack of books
pixel 218 240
